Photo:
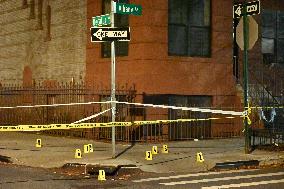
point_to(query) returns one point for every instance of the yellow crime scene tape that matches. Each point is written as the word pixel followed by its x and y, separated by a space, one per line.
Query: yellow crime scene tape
pixel 61 126
pixel 94 125
pixel 76 125
pixel 267 107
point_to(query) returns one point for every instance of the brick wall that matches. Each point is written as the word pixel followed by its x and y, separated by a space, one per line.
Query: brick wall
pixel 152 71
pixel 148 64
pixel 24 45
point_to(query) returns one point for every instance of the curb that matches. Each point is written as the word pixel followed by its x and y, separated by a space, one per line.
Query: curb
pixel 235 165
pixel 250 163
pixel 110 170
pixel 5 159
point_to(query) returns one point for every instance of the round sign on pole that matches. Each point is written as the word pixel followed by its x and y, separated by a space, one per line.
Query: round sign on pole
pixel 253 33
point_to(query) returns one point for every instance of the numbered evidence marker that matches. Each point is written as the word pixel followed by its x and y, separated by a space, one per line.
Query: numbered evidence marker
pixel 86 148
pixel 165 149
pixel 91 147
pixel 154 150
pixel 38 143
pixel 102 175
pixel 148 155
pixel 199 157
pixel 78 153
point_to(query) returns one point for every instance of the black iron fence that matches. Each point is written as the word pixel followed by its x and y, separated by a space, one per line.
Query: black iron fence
pixel 64 93
pixel 267 137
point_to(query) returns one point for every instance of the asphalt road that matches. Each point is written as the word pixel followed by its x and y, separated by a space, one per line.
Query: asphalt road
pixel 272 178
pixel 19 177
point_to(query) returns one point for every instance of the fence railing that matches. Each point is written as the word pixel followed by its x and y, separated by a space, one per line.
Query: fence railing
pixel 62 93
pixel 264 137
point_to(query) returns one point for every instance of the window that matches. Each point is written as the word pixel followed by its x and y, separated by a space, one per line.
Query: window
pixel 181 101
pixel 181 130
pixel 48 23
pixel 25 4
pixel 189 101
pixel 121 47
pixel 189 28
pixel 40 4
pixel 32 9
pixel 272 36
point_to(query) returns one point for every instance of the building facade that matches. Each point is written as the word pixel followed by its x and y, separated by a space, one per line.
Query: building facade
pixel 166 55
pixel 181 52
pixel 42 40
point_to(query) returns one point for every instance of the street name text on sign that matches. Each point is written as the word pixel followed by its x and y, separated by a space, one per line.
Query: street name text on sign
pixel 122 8
pixel 104 34
pixel 101 20
pixel 253 8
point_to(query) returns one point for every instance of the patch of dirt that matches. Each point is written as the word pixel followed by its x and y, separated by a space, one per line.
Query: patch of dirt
pixel 251 167
pixel 70 170
pixel 112 173
pixel 275 147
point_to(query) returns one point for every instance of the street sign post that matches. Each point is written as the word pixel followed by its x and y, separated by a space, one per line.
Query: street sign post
pixel 104 34
pixel 252 8
pixel 245 79
pixel 112 83
pixel 122 8
pixel 101 20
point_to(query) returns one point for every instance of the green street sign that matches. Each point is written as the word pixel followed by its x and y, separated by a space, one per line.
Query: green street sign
pixel 122 8
pixel 101 20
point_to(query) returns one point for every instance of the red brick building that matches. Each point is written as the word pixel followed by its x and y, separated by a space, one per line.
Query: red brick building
pixel 200 74
pixel 148 63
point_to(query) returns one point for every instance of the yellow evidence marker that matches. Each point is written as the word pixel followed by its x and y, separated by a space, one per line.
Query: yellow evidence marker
pixel 38 143
pixel 199 157
pixel 148 155
pixel 86 148
pixel 155 150
pixel 102 175
pixel 165 149
pixel 78 153
pixel 91 147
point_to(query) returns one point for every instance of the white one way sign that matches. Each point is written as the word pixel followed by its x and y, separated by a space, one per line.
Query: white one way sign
pixel 110 34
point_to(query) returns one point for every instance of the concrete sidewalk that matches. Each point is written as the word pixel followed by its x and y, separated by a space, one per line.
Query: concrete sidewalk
pixel 57 151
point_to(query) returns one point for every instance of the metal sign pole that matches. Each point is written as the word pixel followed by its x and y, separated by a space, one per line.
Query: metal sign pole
pixel 246 41
pixel 112 98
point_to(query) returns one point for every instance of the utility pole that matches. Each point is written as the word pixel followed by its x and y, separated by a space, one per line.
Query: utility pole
pixel 245 72
pixel 112 98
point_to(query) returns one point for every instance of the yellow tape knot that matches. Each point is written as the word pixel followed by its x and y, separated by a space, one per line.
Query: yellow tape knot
pixel 246 114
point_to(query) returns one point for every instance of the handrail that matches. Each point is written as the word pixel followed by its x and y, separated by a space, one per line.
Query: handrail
pixel 267 72
pixel 265 88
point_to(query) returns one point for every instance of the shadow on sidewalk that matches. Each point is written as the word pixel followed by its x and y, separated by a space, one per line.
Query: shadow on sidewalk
pixel 125 150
